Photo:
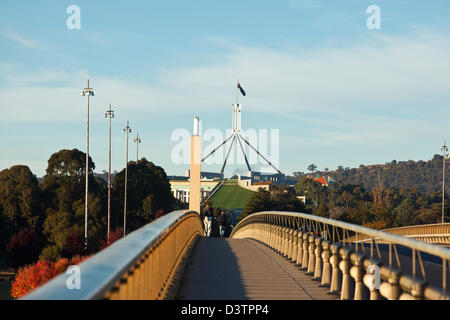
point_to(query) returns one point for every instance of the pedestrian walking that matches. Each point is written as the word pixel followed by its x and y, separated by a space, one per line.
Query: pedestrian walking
pixel 222 222
pixel 207 221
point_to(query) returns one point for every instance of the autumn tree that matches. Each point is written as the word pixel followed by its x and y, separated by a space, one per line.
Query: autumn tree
pixel 23 248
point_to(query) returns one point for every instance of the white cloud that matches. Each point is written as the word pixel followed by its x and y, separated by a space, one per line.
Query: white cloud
pixel 19 39
pixel 383 74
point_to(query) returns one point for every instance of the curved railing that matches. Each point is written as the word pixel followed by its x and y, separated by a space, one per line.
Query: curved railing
pixel 143 265
pixel 352 270
pixel 438 233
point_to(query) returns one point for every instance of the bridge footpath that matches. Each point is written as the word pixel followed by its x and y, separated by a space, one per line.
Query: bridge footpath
pixel 227 269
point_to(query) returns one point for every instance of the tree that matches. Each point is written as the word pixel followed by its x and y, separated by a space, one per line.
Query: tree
pixel 260 201
pixel 19 202
pixel 63 189
pixel 404 213
pixel 23 248
pixel 113 237
pixel 264 200
pixel 312 167
pixel 311 189
pixel 148 191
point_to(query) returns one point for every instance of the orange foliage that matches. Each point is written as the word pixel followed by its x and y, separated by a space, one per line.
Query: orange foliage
pixel 34 275
pixel 61 265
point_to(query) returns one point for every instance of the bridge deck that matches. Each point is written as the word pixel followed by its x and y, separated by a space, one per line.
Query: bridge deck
pixel 240 269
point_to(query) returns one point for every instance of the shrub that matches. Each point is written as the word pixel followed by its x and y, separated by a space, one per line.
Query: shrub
pixel 74 244
pixel 32 276
pixel 159 213
pixel 23 248
pixel 113 236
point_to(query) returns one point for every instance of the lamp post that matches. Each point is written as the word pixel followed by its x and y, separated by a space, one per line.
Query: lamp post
pixel 137 140
pixel 444 150
pixel 109 114
pixel 88 91
pixel 127 130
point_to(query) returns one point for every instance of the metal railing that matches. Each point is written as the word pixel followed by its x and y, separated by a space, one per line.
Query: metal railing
pixel 438 233
pixel 352 270
pixel 143 265
pixel 213 191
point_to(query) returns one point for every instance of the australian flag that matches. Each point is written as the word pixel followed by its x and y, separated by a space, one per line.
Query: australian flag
pixel 240 88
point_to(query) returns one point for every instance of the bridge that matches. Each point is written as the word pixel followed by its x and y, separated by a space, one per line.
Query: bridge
pixel 269 255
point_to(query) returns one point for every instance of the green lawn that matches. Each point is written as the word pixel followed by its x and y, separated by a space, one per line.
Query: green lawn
pixel 231 197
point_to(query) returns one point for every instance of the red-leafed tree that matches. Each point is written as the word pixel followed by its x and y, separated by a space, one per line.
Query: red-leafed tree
pixel 74 245
pixel 23 248
pixel 31 277
pixel 159 213
pixel 113 236
pixel 34 275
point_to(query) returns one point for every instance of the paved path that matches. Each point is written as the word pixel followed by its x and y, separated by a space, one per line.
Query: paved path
pixel 241 269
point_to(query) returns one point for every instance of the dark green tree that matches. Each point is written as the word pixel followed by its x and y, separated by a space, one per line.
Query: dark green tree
pixel 19 203
pixel 63 191
pixel 312 167
pixel 277 200
pixel 405 213
pixel 148 190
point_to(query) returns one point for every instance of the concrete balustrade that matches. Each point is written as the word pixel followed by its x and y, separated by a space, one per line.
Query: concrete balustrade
pixel 294 246
pixel 305 256
pixel 142 265
pixel 357 272
pixel 311 254
pixel 344 266
pixel 335 264
pixel 335 286
pixel 318 259
pixel 300 248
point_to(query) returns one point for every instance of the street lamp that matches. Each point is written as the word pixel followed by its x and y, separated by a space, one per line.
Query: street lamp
pixel 137 140
pixel 127 130
pixel 109 114
pixel 444 150
pixel 88 91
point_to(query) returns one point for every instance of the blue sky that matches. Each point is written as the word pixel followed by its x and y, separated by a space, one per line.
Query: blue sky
pixel 339 93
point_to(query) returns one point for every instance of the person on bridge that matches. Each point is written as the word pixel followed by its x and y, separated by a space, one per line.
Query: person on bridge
pixel 207 212
pixel 222 222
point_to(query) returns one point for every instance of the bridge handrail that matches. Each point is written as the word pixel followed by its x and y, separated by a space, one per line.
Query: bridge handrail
pixel 435 233
pixel 135 255
pixel 377 234
pixel 325 249
pixel 423 227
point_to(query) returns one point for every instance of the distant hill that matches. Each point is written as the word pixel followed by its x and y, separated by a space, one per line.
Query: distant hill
pixel 425 176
